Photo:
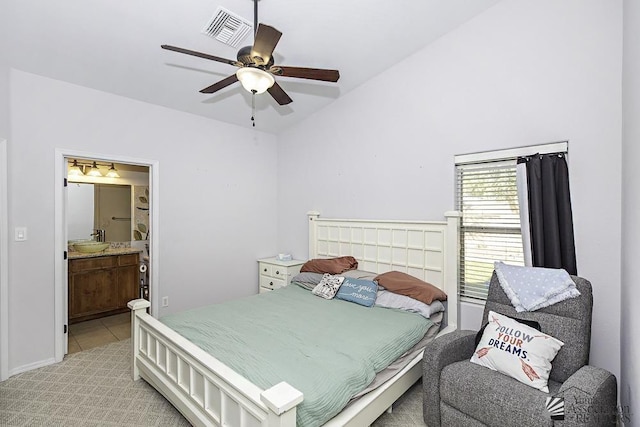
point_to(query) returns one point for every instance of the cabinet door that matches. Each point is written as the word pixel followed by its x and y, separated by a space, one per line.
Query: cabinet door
pixel 92 292
pixel 128 287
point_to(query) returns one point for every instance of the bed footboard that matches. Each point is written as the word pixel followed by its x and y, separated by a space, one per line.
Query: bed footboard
pixel 203 389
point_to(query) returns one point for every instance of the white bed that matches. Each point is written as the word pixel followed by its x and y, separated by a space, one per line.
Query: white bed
pixel 208 393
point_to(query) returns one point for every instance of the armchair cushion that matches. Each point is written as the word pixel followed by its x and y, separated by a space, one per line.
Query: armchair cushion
pixel 492 398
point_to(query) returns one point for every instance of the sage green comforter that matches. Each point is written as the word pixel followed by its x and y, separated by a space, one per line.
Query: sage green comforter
pixel 327 349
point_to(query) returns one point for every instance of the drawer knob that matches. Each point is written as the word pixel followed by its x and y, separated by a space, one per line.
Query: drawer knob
pixel 264 270
pixel 277 272
pixel 270 283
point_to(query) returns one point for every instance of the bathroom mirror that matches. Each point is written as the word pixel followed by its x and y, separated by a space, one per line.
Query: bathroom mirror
pixel 92 207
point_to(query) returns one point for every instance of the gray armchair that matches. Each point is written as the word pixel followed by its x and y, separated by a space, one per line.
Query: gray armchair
pixel 460 393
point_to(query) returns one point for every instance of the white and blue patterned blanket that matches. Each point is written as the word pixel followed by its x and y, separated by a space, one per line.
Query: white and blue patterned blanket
pixel 532 288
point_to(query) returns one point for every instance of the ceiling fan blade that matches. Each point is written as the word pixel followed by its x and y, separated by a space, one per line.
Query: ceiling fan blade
pixel 279 94
pixel 306 73
pixel 220 85
pixel 265 42
pixel 201 55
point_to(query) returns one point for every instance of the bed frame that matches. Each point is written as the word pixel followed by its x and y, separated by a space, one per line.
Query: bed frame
pixel 208 393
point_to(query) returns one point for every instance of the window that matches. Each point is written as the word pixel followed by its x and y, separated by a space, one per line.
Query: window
pixel 487 198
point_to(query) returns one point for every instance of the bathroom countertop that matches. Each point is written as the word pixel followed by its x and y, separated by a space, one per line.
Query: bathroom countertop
pixel 106 252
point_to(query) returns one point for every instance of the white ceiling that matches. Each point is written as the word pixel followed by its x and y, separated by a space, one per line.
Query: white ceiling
pixel 114 46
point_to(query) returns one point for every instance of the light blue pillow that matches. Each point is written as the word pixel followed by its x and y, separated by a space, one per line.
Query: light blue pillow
pixel 363 292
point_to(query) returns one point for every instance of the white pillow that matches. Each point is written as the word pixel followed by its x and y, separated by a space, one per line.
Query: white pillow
pixel 328 286
pixel 517 350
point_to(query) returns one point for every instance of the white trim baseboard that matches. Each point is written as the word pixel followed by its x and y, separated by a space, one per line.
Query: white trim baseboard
pixel 31 366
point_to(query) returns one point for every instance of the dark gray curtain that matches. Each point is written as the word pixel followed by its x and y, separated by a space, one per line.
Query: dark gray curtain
pixel 550 216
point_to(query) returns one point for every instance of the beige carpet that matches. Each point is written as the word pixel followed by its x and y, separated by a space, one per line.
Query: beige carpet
pixel 90 388
pixel 94 388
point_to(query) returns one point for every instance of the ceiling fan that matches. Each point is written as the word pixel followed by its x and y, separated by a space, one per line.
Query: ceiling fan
pixel 256 65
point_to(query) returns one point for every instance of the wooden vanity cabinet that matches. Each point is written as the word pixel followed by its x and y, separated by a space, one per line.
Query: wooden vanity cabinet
pixel 102 286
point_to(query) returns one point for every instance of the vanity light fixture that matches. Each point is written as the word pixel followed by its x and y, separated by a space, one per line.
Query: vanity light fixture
pixel 113 173
pixel 94 171
pixel 90 168
pixel 74 169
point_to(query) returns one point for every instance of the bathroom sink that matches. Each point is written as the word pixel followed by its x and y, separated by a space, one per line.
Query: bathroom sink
pixel 90 247
pixel 73 242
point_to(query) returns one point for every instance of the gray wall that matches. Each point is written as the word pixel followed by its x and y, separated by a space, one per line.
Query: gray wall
pixel 630 327
pixel 521 73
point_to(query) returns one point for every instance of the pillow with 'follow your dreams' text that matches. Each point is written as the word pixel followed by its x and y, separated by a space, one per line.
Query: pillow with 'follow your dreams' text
pixel 517 350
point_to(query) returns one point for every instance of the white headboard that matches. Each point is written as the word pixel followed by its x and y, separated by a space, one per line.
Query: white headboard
pixel 427 250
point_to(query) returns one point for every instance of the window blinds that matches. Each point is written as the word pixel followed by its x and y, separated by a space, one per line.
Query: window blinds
pixel 487 197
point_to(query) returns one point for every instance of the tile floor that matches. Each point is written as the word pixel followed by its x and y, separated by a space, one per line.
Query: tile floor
pixel 98 332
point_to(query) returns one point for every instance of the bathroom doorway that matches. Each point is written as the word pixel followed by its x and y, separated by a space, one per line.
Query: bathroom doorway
pixel 138 219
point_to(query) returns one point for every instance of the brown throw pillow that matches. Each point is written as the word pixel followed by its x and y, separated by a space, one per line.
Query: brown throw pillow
pixel 330 265
pixel 405 284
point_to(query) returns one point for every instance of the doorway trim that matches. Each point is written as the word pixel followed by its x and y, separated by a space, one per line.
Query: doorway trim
pixel 4 263
pixel 60 243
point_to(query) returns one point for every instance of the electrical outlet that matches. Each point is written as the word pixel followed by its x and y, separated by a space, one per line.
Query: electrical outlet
pixel 165 301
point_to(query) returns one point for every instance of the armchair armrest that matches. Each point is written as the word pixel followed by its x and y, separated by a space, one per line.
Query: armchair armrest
pixel 440 352
pixel 590 398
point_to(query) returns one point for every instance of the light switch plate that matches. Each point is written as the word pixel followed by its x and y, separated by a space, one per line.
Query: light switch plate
pixel 21 234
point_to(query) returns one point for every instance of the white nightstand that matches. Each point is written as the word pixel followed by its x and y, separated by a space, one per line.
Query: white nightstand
pixel 275 274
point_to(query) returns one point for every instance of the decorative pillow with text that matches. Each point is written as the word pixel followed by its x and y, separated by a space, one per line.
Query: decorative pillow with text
pixel 360 291
pixel 517 350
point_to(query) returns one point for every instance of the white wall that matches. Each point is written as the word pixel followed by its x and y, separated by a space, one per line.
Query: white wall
pixel 521 73
pixel 4 75
pixel 630 325
pixel 217 198
pixel 4 99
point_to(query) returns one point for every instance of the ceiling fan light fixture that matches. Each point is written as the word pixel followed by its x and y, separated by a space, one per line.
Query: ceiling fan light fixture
pixel 254 79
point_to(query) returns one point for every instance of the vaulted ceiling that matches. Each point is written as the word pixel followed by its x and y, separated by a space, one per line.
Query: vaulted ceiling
pixel 114 46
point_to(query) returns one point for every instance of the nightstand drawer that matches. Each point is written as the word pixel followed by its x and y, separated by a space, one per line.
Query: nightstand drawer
pixel 271 283
pixel 279 272
pixel 265 269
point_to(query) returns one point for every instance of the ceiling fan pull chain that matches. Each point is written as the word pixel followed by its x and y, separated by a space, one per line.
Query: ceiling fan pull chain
pixel 253 107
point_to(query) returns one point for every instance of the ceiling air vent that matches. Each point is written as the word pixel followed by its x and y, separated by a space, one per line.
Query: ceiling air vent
pixel 227 27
